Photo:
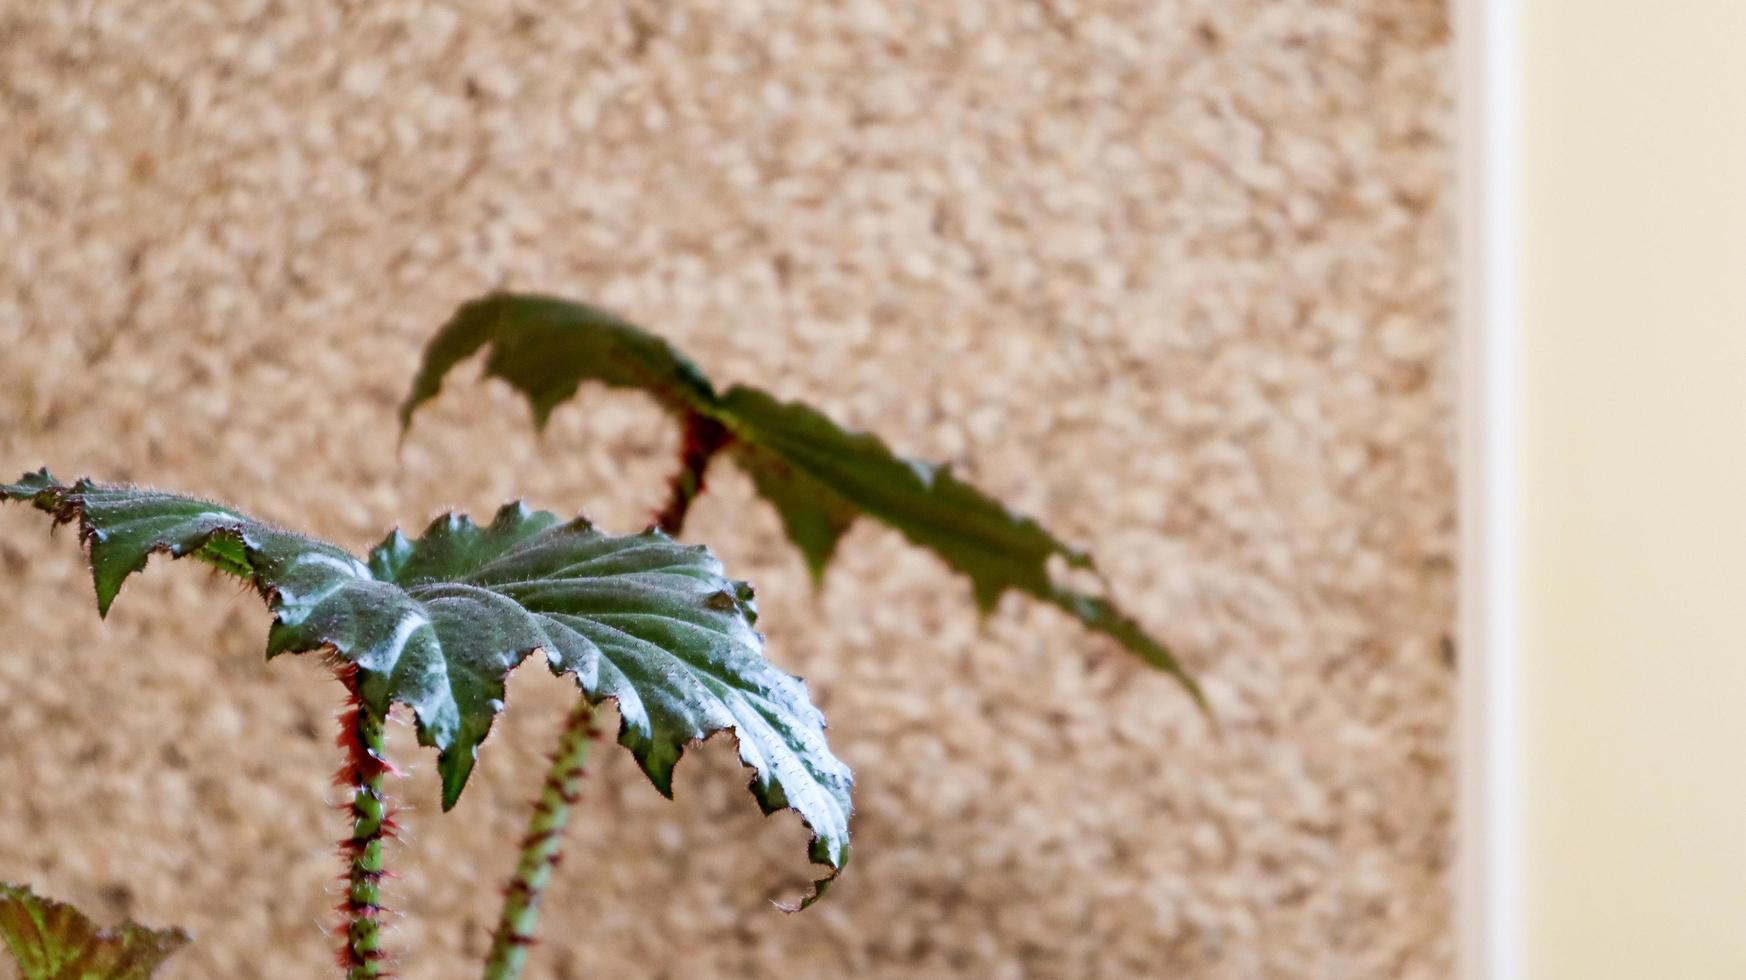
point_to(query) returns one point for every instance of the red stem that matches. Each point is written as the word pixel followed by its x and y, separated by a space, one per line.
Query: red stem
pixel 364 770
pixel 703 438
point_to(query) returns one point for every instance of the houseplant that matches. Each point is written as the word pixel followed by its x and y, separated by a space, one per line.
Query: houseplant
pixel 435 623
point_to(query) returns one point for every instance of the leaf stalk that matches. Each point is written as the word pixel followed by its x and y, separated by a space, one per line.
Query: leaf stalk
pixel 540 847
pixel 364 771
pixel 703 438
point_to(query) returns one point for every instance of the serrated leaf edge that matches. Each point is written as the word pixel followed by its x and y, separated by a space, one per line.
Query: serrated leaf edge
pixel 53 498
pixel 714 405
pixel 173 937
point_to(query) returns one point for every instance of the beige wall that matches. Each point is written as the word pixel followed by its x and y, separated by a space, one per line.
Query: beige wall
pixel 1171 275
pixel 1634 413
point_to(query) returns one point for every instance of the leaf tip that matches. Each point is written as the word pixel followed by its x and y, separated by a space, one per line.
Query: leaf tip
pixel 42 491
pixel 987 596
pixel 511 513
pixel 30 485
pixel 816 570
pixel 1100 615
pixel 455 764
pixel 821 854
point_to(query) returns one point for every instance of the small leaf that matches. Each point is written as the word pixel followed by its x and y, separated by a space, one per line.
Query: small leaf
pixel 819 476
pixel 437 622
pixel 53 941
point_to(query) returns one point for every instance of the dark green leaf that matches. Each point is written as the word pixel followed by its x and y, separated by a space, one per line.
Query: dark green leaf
pixel 437 622
pixel 825 470
pixel 53 941
pixel 819 476
pixel 528 333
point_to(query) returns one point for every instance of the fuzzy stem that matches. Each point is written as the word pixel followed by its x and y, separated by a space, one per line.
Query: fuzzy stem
pixel 539 849
pixel 703 438
pixel 363 736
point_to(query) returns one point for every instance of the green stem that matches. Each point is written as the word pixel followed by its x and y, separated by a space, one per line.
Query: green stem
pixel 539 849
pixel 363 735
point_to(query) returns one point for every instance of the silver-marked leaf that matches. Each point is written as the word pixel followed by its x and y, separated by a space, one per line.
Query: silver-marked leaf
pixel 819 476
pixel 52 940
pixel 438 621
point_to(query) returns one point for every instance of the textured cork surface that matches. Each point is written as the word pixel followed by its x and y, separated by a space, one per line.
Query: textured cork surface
pixel 1170 275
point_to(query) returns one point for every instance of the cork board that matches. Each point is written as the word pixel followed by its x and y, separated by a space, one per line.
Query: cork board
pixel 1171 275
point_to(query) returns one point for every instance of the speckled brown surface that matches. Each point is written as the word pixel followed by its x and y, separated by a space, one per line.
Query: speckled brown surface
pixel 1171 275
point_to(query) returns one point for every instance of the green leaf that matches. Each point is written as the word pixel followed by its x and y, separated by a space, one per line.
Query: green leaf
pixel 528 333
pixel 819 476
pixel 53 941
pixel 828 475
pixel 437 622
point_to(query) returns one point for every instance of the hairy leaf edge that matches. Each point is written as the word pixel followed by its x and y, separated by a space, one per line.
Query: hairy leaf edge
pixel 47 494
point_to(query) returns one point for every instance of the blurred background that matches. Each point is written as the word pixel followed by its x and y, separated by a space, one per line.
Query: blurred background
pixel 1172 276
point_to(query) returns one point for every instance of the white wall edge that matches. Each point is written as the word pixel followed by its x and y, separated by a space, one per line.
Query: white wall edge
pixel 1488 881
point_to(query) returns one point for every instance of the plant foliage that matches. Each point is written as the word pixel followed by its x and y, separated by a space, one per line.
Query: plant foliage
pixel 437 622
pixel 819 476
pixel 52 940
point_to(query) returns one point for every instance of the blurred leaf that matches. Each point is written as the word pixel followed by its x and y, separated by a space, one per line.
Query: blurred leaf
pixel 819 476
pixel 53 941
